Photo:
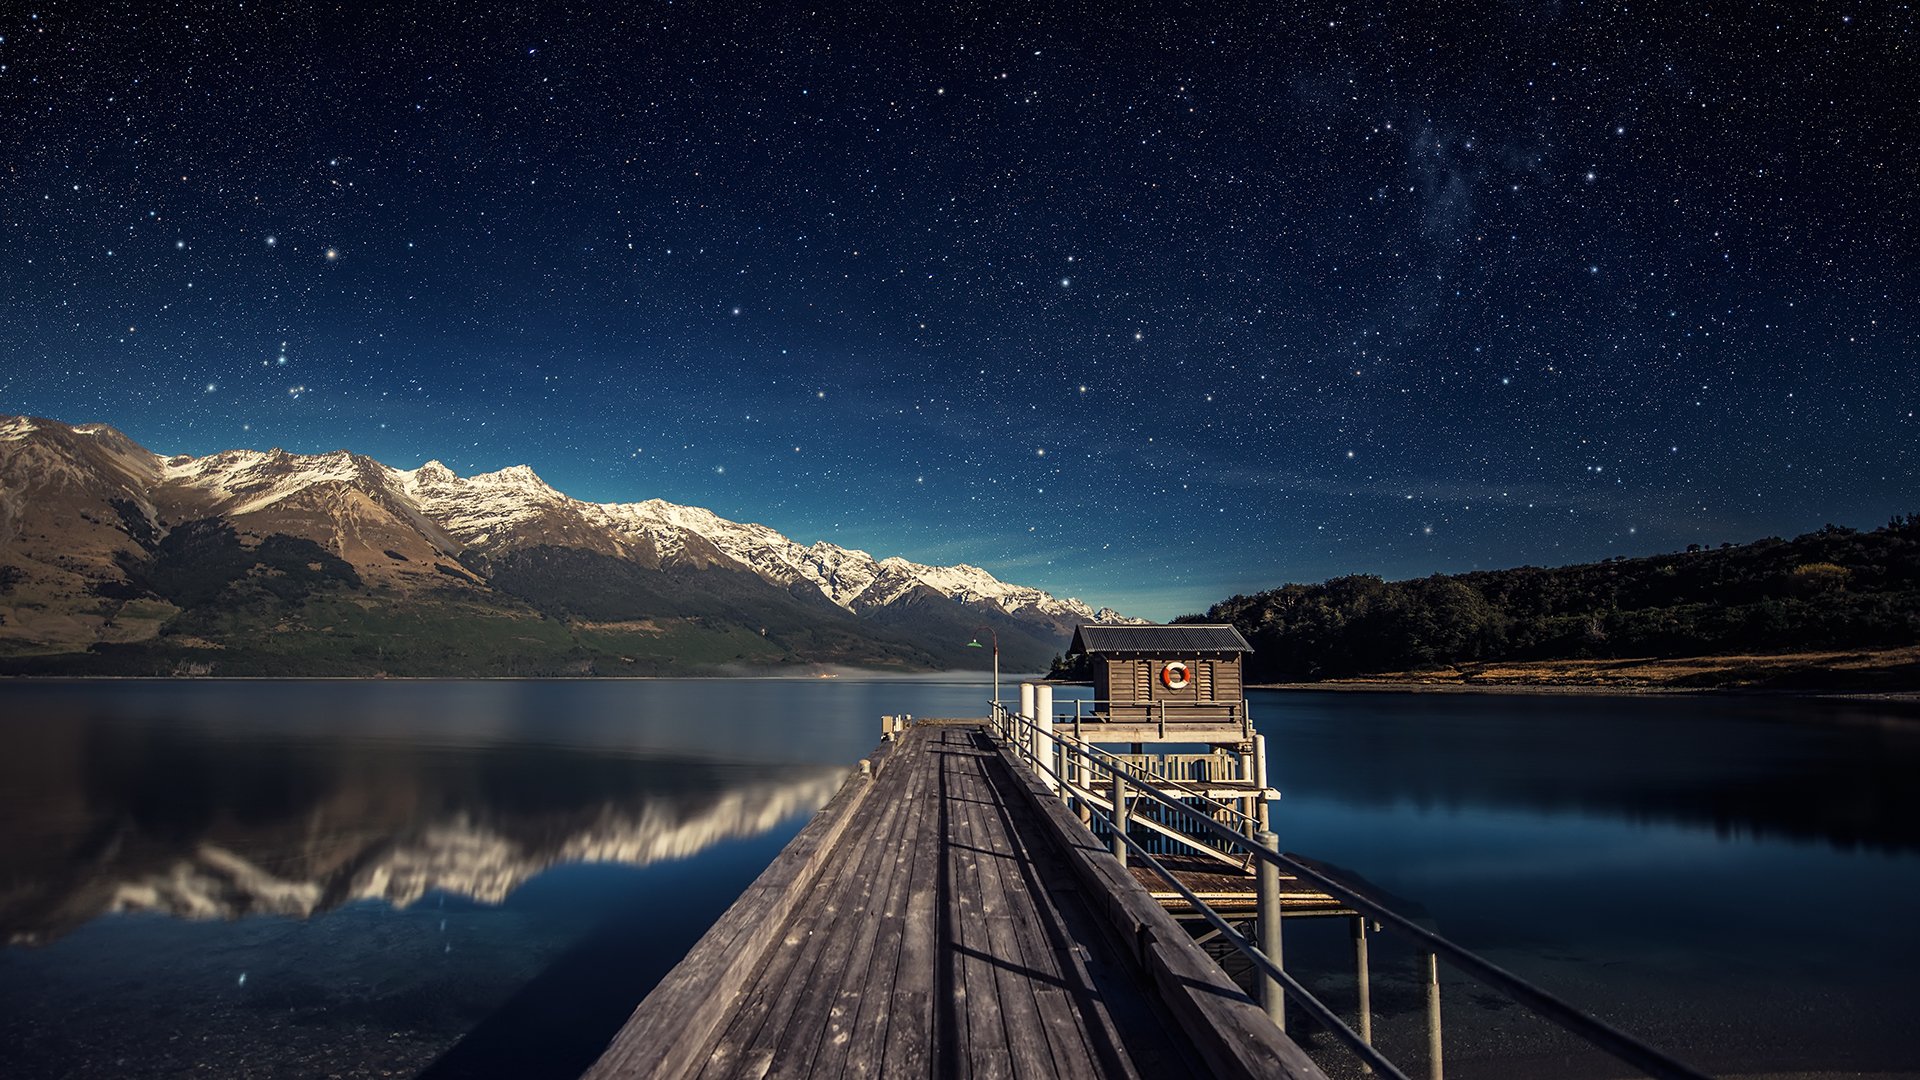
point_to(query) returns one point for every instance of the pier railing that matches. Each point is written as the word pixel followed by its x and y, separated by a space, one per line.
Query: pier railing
pixel 1117 797
pixel 1167 718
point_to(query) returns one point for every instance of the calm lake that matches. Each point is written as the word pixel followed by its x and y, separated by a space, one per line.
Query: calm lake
pixel 482 879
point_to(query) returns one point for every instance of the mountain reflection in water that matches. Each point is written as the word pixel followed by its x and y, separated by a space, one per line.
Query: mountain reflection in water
pixel 376 878
pixel 161 818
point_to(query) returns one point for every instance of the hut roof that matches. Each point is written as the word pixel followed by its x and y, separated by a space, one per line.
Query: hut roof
pixel 1183 639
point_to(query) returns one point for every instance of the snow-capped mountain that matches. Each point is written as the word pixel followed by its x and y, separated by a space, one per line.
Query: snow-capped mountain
pixel 492 512
pixel 429 529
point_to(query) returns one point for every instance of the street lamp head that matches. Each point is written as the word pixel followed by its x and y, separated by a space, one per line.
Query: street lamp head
pixel 975 644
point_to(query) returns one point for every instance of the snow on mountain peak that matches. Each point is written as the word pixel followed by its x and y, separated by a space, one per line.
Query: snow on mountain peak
pixel 514 506
pixel 517 476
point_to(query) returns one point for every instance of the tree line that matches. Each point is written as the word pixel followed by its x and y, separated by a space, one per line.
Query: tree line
pixel 1837 588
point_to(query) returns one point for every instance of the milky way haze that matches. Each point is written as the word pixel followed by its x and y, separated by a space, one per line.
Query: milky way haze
pixel 1147 307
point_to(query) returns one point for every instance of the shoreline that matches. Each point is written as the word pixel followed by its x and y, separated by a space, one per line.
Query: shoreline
pixel 1883 675
pixel 1412 686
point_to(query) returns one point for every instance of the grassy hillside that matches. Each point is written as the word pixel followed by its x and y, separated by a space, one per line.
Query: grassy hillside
pixel 210 602
pixel 1835 589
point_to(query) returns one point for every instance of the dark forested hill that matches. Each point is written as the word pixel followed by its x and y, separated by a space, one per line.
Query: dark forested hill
pixel 1837 588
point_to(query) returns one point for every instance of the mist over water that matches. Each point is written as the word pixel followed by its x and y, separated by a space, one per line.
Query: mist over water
pixel 482 879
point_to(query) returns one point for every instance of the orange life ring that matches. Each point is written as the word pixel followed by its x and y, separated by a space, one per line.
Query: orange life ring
pixel 1175 676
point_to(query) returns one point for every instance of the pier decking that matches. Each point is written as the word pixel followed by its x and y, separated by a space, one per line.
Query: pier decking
pixel 946 915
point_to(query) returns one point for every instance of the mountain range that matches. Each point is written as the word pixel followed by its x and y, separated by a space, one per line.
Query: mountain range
pixel 118 560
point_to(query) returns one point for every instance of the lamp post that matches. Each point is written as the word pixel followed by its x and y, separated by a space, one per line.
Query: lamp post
pixel 995 638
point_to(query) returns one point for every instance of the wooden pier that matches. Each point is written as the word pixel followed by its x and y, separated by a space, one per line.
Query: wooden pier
pixel 945 914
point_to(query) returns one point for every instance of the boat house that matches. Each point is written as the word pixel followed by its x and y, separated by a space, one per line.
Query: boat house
pixel 1184 680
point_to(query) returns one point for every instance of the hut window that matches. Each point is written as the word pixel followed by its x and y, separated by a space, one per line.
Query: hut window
pixel 1203 674
pixel 1142 680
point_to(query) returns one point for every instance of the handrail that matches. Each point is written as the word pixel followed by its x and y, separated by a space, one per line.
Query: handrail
pixel 1299 993
pixel 1596 1032
pixel 1293 988
pixel 1115 763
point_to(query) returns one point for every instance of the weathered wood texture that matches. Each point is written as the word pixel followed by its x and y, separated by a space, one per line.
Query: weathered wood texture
pixel 941 930
pixel 1227 891
pixel 1229 1030
pixel 666 1035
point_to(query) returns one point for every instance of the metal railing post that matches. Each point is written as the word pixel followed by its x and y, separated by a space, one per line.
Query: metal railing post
pixel 1363 977
pixel 1272 997
pixel 1201 820
pixel 1435 1071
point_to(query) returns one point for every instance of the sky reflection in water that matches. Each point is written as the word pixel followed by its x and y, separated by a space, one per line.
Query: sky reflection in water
pixel 484 877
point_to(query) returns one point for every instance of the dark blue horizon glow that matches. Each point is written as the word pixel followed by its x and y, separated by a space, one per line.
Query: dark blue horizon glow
pixel 1148 308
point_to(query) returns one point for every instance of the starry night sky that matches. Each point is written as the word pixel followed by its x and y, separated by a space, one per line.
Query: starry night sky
pixel 1146 307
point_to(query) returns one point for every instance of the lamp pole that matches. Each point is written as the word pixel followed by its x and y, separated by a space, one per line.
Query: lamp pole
pixel 995 638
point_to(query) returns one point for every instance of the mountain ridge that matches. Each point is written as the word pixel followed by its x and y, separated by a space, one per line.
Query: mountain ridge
pixel 87 514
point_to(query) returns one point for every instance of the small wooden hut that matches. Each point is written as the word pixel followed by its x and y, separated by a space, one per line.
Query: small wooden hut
pixel 1185 674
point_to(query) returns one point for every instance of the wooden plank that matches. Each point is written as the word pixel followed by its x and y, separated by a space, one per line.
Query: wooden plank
pixel 845 991
pixel 1125 1035
pixel 926 922
pixel 777 1028
pixel 1230 1032
pixel 670 1030
pixel 810 1022
pixel 1015 972
pixel 914 1026
pixel 986 1051
pixel 865 1050
pixel 1041 943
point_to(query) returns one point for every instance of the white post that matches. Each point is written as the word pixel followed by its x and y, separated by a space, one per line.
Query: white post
pixel 1263 808
pixel 1021 738
pixel 1043 736
pixel 1267 901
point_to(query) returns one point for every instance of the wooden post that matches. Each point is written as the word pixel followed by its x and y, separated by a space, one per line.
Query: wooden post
pixel 1434 1068
pixel 1272 997
pixel 1043 735
pixel 1364 978
pixel 1119 797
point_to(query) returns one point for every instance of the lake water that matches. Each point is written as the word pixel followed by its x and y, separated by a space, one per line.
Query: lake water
pixel 481 879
